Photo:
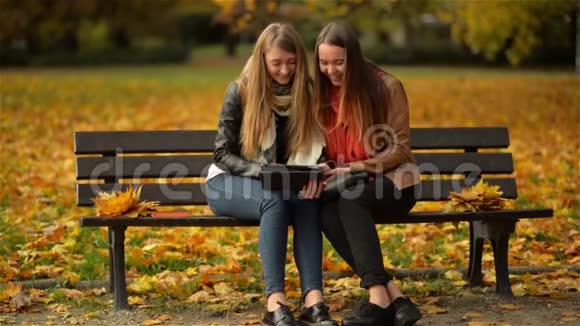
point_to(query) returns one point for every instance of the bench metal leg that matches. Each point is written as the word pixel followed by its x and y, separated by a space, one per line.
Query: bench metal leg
pixel 119 282
pixel 111 263
pixel 474 275
pixel 498 232
pixel 499 243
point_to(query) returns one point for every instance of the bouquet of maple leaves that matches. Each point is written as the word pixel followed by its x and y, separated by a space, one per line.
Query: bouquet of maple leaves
pixel 124 203
pixel 480 197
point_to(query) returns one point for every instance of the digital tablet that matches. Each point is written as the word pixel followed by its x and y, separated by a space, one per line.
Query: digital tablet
pixel 278 177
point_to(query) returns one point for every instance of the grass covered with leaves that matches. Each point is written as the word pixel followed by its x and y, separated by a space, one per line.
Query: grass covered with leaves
pixel 40 237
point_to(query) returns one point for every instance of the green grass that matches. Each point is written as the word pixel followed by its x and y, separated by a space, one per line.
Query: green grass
pixel 93 267
pixel 92 238
pixel 244 50
pixel 162 264
pixel 544 237
pixel 574 214
pixel 136 241
pixel 397 253
pixel 130 85
pixel 57 295
pixel 472 72
pixel 11 237
pixel 200 74
pixel 163 75
pixel 461 232
pixel 177 265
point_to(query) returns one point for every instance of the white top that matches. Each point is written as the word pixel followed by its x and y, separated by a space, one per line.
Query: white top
pixel 214 170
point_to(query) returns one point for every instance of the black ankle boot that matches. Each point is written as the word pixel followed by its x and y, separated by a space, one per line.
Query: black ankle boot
pixel 406 313
pixel 317 315
pixel 280 317
pixel 372 315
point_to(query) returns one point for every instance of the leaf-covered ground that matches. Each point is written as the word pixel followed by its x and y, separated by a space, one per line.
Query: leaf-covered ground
pixel 40 237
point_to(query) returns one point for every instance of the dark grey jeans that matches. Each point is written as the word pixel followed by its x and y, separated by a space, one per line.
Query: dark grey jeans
pixel 349 225
pixel 244 198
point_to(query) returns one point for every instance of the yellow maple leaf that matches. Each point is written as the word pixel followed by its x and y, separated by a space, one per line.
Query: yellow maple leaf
pixel 124 203
pixel 72 293
pixel 11 290
pixel 136 300
pixel 510 306
pixel 143 284
pixel 432 310
pixel 199 297
pixel 470 315
pixel 223 288
pixel 481 196
pixel 453 275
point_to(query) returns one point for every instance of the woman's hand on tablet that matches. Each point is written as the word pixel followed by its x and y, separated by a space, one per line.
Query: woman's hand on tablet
pixel 333 173
pixel 312 190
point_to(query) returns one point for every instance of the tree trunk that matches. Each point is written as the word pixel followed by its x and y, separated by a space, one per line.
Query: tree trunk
pixel 575 35
pixel 32 43
pixel 69 40
pixel 119 37
pixel 231 44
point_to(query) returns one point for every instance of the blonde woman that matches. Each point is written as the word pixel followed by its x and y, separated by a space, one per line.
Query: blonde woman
pixel 267 118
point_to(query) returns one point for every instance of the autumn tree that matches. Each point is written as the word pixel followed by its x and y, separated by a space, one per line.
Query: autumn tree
pixel 243 16
pixel 374 16
pixel 510 28
pixel 127 19
pixel 40 22
pixel 44 24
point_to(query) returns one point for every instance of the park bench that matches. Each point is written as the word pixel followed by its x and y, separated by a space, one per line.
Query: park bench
pixel 102 163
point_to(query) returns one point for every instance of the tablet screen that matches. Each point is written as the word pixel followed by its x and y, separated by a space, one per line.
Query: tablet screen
pixel 278 177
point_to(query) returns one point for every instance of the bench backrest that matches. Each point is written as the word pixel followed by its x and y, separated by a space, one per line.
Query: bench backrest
pixel 171 164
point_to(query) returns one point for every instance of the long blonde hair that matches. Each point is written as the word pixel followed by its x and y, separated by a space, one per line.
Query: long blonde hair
pixel 258 93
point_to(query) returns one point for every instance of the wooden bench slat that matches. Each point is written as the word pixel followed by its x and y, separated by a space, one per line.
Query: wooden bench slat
pixel 195 141
pixel 197 165
pixel 165 141
pixel 142 166
pixel 434 190
pixel 459 163
pixel 459 138
pixel 193 193
pixel 217 221
pixel 167 194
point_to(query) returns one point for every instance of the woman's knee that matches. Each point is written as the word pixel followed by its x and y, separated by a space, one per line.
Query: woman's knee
pixel 272 200
pixel 329 214
pixel 305 212
pixel 273 206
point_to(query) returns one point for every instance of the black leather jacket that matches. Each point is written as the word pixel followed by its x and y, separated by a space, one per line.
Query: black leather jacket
pixel 227 154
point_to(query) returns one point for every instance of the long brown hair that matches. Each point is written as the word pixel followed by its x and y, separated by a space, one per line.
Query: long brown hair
pixel 258 93
pixel 362 93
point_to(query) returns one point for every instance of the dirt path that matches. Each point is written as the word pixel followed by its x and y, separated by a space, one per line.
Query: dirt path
pixel 445 310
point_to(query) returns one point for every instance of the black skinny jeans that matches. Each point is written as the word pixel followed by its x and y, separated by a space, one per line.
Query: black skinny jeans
pixel 349 225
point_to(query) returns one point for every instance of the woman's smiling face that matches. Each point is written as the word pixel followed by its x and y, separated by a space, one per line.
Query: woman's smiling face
pixel 281 64
pixel 332 62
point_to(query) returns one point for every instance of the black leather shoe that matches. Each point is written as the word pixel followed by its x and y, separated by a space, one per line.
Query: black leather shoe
pixel 406 313
pixel 317 315
pixel 370 314
pixel 280 317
